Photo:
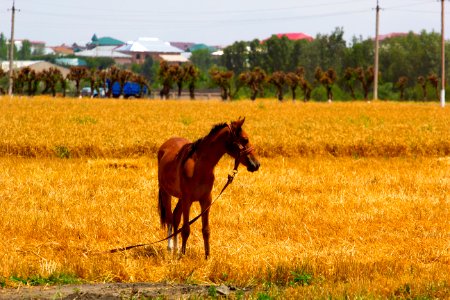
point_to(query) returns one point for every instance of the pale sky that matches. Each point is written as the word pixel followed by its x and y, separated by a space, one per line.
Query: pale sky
pixel 213 22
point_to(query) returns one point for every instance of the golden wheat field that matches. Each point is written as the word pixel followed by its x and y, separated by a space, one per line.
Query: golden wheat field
pixel 352 200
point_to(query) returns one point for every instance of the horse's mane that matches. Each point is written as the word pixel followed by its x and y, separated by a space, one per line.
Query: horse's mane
pixel 189 149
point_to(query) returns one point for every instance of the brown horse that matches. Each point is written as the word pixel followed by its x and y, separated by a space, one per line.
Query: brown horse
pixel 186 171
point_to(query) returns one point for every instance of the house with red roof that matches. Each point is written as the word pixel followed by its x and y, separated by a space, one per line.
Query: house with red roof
pixel 382 37
pixel 295 36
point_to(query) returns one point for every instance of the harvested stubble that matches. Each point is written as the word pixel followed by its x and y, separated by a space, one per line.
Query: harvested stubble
pixel 362 226
pixel 42 127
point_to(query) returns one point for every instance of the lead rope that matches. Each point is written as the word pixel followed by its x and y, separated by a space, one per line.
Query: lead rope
pixel 231 176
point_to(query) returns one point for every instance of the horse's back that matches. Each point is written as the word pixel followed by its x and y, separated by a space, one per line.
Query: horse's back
pixel 169 149
pixel 169 164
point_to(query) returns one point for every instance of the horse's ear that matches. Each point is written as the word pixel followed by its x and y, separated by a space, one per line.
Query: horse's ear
pixel 238 123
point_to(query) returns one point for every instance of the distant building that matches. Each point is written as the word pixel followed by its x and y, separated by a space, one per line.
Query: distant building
pixel 71 62
pixel 382 37
pixel 36 65
pixel 103 41
pixel 196 47
pixel 184 46
pixel 106 51
pixel 294 36
pixel 78 48
pixel 36 46
pixel 62 50
pixel 152 47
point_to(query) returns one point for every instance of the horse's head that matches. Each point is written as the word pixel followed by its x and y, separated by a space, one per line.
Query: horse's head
pixel 239 146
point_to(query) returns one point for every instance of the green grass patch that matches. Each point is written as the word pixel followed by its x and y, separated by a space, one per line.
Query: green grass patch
pixel 53 279
pixel 2 282
pixel 84 120
pixel 62 151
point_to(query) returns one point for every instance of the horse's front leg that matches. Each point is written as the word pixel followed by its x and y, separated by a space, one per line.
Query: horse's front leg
pixel 205 204
pixel 176 223
pixel 186 230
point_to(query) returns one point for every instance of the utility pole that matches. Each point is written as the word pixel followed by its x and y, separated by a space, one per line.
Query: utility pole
pixel 375 78
pixel 442 55
pixel 11 50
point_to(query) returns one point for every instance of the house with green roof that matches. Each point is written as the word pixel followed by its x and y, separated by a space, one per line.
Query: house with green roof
pixel 103 41
pixel 196 47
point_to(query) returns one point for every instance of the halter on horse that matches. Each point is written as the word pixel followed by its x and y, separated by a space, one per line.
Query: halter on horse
pixel 186 171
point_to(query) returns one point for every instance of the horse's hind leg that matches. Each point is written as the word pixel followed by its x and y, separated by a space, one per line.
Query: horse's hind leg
pixel 186 230
pixel 165 213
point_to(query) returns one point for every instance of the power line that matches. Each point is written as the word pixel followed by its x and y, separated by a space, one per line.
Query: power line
pixel 207 12
pixel 146 20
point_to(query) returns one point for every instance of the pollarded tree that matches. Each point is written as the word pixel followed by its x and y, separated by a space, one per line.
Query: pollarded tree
pixel 422 81
pixel 254 80
pixel 278 79
pixel 18 81
pixel 124 77
pixel 366 78
pixel 192 75
pixel 307 89
pixel 33 84
pixel 223 80
pixel 2 73
pixel 401 85
pixel 177 74
pixel 165 78
pixel 113 74
pixel 22 78
pixel 304 84
pixel 63 82
pixel 26 77
pixel 93 79
pixel 31 78
pixel 103 77
pixel 327 79
pixel 293 81
pixel 77 74
pixel 350 78
pixel 260 79
pixel 51 77
pixel 142 81
pixel 434 81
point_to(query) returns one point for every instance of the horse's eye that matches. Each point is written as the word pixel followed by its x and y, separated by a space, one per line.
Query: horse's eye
pixel 244 141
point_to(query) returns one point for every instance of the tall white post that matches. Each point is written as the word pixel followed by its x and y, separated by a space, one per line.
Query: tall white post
pixel 442 55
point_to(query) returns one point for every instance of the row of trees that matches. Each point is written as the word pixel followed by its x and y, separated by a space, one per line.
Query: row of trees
pixel 326 68
pixel 30 82
pixel 257 81
pixel 412 54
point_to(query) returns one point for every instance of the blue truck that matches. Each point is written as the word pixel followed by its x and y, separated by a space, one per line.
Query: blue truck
pixel 130 90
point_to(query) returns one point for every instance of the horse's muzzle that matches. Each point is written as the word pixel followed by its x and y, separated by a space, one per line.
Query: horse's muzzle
pixel 253 164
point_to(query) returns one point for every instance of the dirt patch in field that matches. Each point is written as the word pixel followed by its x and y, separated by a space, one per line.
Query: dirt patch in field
pixel 119 291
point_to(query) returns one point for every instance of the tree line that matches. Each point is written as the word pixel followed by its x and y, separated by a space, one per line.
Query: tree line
pixel 27 81
pixel 326 68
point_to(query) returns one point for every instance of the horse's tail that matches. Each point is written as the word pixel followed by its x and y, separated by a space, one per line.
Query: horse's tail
pixel 162 208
